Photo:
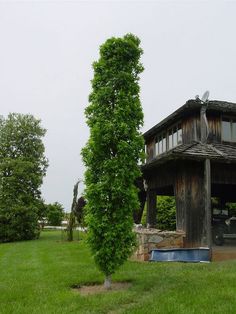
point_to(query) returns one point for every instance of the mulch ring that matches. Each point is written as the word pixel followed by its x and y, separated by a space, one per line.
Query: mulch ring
pixel 95 288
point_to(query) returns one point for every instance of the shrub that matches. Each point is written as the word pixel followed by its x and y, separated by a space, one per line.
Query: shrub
pixel 19 223
pixel 166 213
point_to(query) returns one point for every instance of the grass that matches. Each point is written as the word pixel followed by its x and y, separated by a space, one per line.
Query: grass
pixel 36 276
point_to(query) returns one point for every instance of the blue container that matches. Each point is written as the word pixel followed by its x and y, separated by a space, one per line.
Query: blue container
pixel 192 255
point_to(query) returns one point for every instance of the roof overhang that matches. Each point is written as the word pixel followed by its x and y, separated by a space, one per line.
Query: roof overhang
pixel 191 106
pixel 195 151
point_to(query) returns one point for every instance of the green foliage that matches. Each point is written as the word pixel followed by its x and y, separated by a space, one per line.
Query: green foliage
pixel 166 213
pixel 19 223
pixel 22 167
pixel 216 203
pixel 113 151
pixel 72 217
pixel 54 214
pixel 231 208
pixel 80 210
pixel 35 278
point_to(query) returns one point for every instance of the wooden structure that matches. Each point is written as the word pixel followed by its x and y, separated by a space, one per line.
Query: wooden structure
pixel 192 155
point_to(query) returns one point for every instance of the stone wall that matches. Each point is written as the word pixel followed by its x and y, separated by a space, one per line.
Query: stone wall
pixel 149 239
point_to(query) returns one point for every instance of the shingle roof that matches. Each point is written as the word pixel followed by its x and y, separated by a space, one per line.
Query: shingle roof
pixel 197 151
pixel 191 105
pixel 211 151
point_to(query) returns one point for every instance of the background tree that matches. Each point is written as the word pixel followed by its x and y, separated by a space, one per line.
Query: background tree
pixel 113 152
pixel 22 167
pixel 54 214
pixel 72 218
pixel 80 210
pixel 42 213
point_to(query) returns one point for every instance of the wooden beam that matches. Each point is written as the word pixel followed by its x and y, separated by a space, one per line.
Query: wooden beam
pixel 190 203
pixel 138 213
pixel 204 124
pixel 151 208
pixel 207 200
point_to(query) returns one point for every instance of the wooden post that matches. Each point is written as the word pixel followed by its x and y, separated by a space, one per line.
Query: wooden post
pixel 204 124
pixel 207 188
pixel 190 203
pixel 179 191
pixel 151 209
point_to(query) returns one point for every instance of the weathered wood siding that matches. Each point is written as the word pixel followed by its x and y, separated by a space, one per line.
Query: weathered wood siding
pixel 190 204
pixel 150 150
pixel 161 176
pixel 191 129
pixel 185 180
pixel 223 173
pixel 181 210
pixel 151 208
pixel 214 123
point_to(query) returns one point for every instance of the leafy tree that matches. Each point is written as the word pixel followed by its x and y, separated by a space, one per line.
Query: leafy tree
pixel 22 168
pixel 42 213
pixel 54 214
pixel 113 152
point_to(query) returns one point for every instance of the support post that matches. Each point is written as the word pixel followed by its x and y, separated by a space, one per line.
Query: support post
pixel 204 124
pixel 151 209
pixel 207 187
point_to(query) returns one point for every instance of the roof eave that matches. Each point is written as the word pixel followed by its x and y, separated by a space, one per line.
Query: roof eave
pixel 190 105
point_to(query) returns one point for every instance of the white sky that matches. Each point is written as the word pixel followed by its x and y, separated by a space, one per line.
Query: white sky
pixel 47 48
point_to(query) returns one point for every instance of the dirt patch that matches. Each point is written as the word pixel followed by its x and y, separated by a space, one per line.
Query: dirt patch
pixel 223 253
pixel 99 288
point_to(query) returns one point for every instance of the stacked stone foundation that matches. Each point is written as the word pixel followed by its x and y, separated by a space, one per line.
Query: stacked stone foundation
pixel 149 239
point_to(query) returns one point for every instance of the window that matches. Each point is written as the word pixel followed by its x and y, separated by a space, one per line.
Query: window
pixel 174 136
pixel 228 130
pixel 160 144
pixel 168 140
pixel 179 134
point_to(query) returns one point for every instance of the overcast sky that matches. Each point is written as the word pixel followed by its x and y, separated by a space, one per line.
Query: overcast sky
pixel 47 48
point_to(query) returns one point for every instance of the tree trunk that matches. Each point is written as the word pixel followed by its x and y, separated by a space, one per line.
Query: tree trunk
pixel 70 227
pixel 107 282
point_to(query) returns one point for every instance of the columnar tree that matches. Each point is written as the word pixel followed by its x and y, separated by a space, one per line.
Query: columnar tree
pixel 113 152
pixel 72 217
pixel 22 167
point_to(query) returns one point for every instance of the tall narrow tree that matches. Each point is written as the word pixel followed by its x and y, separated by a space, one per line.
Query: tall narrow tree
pixel 112 154
pixel 72 217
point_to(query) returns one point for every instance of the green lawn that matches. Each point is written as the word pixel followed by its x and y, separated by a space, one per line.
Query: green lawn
pixel 35 277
